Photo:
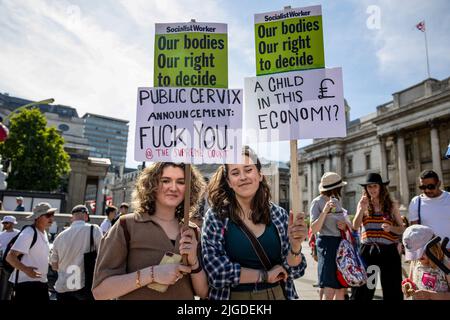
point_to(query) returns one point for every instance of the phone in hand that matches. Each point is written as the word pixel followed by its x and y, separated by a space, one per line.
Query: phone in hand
pixel 168 258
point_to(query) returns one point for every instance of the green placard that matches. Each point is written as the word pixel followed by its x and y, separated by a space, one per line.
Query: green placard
pixel 191 59
pixel 289 40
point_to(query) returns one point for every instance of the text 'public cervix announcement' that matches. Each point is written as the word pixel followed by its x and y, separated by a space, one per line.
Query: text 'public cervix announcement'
pixel 190 125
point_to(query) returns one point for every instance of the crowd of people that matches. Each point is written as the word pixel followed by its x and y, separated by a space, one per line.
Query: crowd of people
pixel 247 248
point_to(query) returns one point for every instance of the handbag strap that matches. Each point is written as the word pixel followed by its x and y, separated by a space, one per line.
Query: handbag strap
pixel 259 250
pixel 91 241
pixel 350 236
pixel 418 211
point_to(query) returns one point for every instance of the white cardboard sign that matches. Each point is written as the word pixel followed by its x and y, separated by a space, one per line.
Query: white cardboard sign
pixel 295 105
pixel 189 125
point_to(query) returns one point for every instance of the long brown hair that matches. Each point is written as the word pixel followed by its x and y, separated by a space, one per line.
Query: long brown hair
pixel 147 184
pixel 386 203
pixel 223 199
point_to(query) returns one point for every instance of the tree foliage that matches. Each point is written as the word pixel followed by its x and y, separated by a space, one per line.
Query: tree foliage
pixel 39 161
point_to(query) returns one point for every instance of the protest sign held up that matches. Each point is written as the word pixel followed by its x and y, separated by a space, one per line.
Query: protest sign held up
pixel 191 55
pixel 295 105
pixel 283 107
pixel 190 125
pixel 289 40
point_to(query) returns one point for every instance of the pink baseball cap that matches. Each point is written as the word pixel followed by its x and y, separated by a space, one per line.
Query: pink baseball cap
pixel 415 239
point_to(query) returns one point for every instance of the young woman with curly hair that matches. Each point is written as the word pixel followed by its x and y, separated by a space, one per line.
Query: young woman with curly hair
pixel 130 253
pixel 381 228
pixel 239 198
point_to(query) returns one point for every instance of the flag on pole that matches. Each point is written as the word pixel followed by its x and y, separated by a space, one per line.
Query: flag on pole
pixel 421 26
pixel 447 155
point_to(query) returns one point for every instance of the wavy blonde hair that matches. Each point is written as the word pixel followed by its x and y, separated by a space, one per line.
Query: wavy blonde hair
pixel 147 184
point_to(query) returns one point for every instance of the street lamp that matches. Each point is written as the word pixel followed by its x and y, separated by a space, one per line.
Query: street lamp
pixel 47 101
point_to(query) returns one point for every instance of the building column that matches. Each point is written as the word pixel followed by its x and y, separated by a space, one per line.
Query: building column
pixel 276 183
pixel 300 193
pixel 339 169
pixel 310 184
pixel 100 198
pixel 435 151
pixel 314 189
pixel 76 189
pixel 383 170
pixel 328 164
pixel 402 171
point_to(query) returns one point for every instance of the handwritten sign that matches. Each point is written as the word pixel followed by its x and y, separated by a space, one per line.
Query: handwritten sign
pixel 191 55
pixel 289 40
pixel 295 105
pixel 190 125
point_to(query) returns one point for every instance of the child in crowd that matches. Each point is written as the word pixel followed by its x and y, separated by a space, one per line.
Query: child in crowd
pixel 426 280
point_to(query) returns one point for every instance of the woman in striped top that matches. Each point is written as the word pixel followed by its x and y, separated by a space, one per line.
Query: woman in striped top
pixel 381 228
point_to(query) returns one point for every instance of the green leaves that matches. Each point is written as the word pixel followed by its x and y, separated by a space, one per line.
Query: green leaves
pixel 36 152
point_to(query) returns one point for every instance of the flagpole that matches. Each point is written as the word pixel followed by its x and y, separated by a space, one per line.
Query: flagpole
pixel 426 49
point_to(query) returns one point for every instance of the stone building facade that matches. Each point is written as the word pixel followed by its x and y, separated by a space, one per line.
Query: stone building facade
pixel 402 138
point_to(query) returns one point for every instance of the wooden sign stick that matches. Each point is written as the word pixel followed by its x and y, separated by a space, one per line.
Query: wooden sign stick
pixel 295 198
pixel 187 202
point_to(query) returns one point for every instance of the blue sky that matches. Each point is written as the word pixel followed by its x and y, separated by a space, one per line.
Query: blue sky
pixel 92 55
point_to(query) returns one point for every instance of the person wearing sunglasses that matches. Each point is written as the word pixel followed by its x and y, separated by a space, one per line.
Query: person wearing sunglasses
pixel 29 260
pixel 432 207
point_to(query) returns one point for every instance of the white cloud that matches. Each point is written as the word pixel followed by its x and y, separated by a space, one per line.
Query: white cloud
pixel 400 47
pixel 64 51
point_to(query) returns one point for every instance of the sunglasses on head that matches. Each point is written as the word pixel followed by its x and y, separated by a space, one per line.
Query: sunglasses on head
pixel 427 186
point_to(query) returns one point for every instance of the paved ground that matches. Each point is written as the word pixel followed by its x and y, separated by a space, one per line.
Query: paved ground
pixel 304 285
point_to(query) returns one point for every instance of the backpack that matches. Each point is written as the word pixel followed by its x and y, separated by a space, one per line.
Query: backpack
pixel 9 268
pixel 350 269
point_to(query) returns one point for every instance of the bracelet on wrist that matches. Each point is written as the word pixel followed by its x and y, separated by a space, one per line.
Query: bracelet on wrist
pixel 265 276
pixel 198 269
pixel 138 279
pixel 152 274
pixel 296 254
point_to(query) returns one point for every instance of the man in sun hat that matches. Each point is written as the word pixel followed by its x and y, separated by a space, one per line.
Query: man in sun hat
pixel 29 256
pixel 8 233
